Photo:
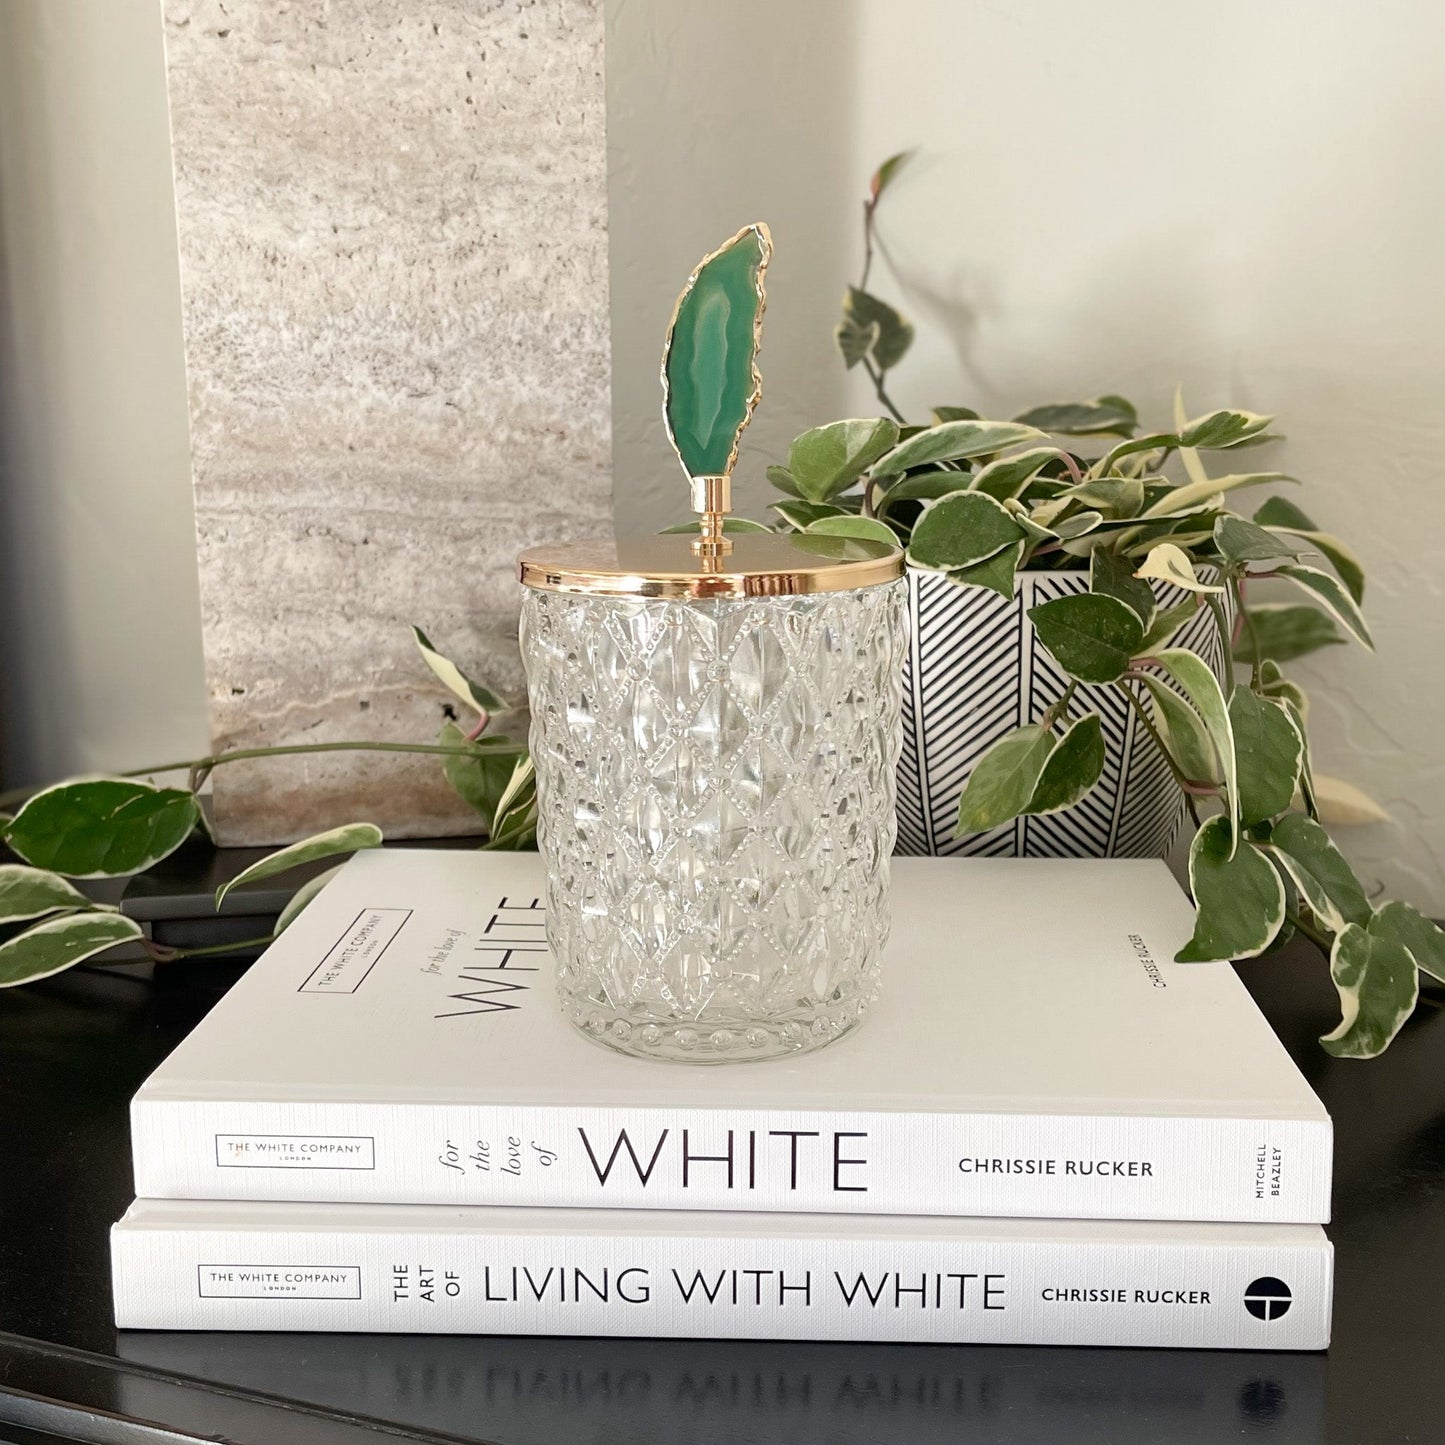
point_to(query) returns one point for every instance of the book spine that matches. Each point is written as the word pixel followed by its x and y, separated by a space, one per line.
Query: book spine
pixel 1043 1166
pixel 1197 1295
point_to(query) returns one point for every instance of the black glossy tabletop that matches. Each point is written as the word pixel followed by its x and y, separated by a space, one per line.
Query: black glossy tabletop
pixel 73 1050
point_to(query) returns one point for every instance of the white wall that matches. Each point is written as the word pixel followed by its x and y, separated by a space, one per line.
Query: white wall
pixel 100 650
pixel 1242 196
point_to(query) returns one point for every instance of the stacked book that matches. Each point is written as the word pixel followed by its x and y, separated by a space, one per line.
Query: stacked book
pixel 1045 1132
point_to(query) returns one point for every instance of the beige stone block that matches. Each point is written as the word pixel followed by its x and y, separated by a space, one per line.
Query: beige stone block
pixel 392 226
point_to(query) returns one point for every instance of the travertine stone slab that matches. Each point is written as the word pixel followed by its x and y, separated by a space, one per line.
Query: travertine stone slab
pixel 393 245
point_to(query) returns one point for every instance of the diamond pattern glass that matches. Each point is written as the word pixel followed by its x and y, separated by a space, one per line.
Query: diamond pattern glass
pixel 716 813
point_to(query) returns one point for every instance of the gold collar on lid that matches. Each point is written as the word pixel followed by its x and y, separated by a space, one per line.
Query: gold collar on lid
pixel 758 564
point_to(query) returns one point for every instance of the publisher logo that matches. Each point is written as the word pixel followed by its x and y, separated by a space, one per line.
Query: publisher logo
pixel 1268 1298
pixel 264 1281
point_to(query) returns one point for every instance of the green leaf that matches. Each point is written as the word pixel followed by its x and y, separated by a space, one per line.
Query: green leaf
pixel 1155 441
pixel 1184 733
pixel 996 572
pixel 1219 429
pixel 802 515
pixel 302 896
pixel 519 796
pixel 870 529
pixel 1113 576
pixel 884 175
pixel 1102 416
pixel 710 381
pixel 1167 623
pixel 32 892
pixel 480 778
pixel 1071 769
pixel 1269 753
pixel 1310 889
pixel 456 682
pixel 102 827
pixel 1003 780
pixel 1349 567
pixel 1378 985
pixel 1171 564
pixel 732 526
pixel 1241 541
pixel 1407 926
pixel 855 340
pixel 1092 637
pixel 829 459
pixel 1310 846
pixel 1008 476
pixel 782 479
pixel 1281 512
pixel 1119 498
pixel 350 838
pixel 1237 893
pixel 1285 630
pixel 1192 494
pixel 960 530
pixel 895 333
pixel 953 441
pixel 925 487
pixel 1077 525
pixel 1202 689
pixel 60 943
pixel 1336 598
pixel 953 413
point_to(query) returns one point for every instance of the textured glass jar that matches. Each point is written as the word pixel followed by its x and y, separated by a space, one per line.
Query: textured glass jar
pixel 716 812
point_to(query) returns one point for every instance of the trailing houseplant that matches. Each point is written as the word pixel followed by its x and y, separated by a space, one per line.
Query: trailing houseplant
pixel 110 827
pixel 978 502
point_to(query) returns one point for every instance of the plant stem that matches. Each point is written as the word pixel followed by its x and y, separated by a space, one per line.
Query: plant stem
pixel 199 768
pixel 163 953
pixel 1321 940
pixel 1187 786
pixel 1222 623
pixel 1060 708
pixel 876 377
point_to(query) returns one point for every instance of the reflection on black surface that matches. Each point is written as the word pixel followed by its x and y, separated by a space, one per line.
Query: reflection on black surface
pixel 536 1391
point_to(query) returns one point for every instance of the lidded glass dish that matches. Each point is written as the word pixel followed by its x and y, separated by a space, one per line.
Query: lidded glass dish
pixel 715 727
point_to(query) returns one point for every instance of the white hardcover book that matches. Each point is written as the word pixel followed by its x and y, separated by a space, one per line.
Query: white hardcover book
pixel 1035 1051
pixel 193 1265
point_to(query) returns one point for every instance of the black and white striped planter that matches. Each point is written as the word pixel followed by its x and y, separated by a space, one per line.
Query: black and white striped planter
pixel 975 671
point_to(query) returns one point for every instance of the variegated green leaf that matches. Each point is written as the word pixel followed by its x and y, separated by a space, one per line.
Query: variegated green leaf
pixel 1184 733
pixel 102 827
pixel 1168 563
pixel 1282 631
pixel 1113 576
pixel 1241 541
pixel 33 892
pixel 1008 476
pixel 996 572
pixel 1201 489
pixel 953 441
pixel 348 839
pixel 1310 846
pixel 1407 926
pixel 59 943
pixel 1202 689
pixel 870 529
pixel 1238 896
pixel 1092 637
pixel 1378 985
pixel 1269 753
pixel 1166 623
pixel 1071 768
pixel 1335 597
pixel 829 459
pixel 960 530
pixel 1224 428
pixel 302 896
pixel 481 699
pixel 1003 780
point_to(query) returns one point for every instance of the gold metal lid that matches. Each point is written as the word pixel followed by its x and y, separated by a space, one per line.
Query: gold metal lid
pixel 757 564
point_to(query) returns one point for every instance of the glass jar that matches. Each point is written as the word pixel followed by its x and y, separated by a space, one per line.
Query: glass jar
pixel 715 741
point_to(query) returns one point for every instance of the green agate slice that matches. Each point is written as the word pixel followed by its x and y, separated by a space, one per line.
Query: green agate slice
pixel 710 380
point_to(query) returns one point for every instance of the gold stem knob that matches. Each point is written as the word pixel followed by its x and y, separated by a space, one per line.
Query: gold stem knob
pixel 712 500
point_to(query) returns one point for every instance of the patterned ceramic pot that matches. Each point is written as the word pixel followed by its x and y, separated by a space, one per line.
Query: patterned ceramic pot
pixel 974 671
